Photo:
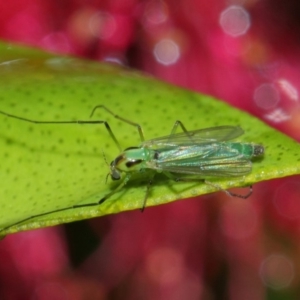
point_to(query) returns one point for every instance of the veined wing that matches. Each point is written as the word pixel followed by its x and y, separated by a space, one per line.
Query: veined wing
pixel 210 168
pixel 213 160
pixel 200 136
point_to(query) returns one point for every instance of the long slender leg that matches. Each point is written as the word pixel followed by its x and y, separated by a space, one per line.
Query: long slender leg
pixel 124 182
pixel 126 179
pixel 119 187
pixel 174 129
pixel 147 192
pixel 138 126
pixel 68 122
pixel 231 194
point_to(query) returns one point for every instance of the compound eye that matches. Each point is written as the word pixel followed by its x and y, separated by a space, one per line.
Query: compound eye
pixel 115 175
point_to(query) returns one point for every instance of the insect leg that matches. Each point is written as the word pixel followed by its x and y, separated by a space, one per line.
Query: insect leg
pixel 147 193
pixel 119 187
pixel 71 207
pixel 68 122
pixel 174 129
pixel 138 126
pixel 186 179
pixel 230 193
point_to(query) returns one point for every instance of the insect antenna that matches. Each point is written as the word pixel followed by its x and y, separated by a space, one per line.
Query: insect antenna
pixel 104 156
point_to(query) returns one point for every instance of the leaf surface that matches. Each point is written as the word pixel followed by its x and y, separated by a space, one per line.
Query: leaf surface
pixel 45 167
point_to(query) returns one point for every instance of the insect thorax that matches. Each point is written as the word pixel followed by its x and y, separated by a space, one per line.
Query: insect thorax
pixel 133 159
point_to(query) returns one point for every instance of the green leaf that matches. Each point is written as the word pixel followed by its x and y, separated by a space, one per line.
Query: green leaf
pixel 54 166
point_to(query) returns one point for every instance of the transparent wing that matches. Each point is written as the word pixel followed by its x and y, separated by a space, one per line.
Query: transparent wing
pixel 211 159
pixel 215 167
pixel 200 136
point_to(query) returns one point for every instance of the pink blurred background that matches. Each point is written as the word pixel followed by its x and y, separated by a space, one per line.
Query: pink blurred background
pixel 214 247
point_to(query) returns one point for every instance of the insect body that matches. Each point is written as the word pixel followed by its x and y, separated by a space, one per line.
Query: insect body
pixel 203 153
pixel 184 156
pixel 193 155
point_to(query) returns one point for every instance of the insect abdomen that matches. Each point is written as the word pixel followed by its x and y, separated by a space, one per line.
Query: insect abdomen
pixel 248 150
